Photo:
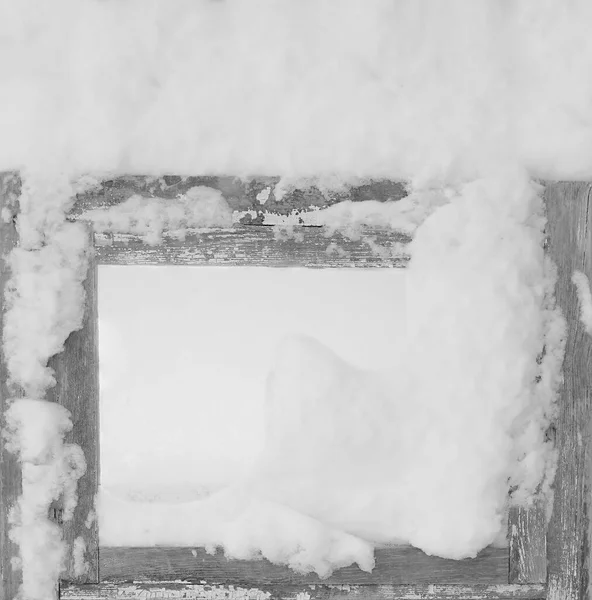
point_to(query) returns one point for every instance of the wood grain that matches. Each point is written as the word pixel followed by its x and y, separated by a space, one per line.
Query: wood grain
pixel 187 591
pixel 528 544
pixel 255 245
pixel 77 375
pixel 10 471
pixel 394 565
pixel 241 194
pixel 570 245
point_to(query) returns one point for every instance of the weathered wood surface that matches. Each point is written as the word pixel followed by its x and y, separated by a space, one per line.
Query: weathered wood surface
pixel 394 565
pixel 77 375
pixel 241 194
pixel 528 544
pixel 249 245
pixel 569 213
pixel 174 590
pixel 10 471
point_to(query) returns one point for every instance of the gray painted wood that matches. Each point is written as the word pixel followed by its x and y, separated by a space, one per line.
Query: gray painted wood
pixel 528 544
pixel 10 471
pixel 77 376
pixel 241 194
pixel 177 590
pixel 394 565
pixel 570 245
pixel 255 245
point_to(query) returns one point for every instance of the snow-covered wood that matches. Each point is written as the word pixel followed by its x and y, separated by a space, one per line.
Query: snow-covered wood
pixel 394 565
pixel 77 375
pixel 570 244
pixel 256 194
pixel 569 211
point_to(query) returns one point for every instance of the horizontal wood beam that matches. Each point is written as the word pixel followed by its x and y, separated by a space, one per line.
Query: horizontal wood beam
pixel 174 590
pixel 242 194
pixel 395 564
pixel 257 245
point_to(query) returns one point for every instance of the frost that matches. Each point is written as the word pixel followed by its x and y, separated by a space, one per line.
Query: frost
pixel 582 284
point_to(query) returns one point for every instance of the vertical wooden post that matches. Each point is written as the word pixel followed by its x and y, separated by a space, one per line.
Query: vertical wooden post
pixel 528 547
pixel 568 541
pixel 77 389
pixel 10 471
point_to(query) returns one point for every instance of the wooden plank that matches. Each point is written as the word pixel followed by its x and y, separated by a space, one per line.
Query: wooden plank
pixel 174 590
pixel 394 565
pixel 77 375
pixel 241 194
pixel 570 245
pixel 256 245
pixel 10 471
pixel 528 544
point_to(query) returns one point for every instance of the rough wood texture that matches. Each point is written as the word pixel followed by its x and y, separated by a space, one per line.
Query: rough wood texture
pixel 394 565
pixel 255 245
pixel 10 471
pixel 241 194
pixel 528 544
pixel 77 375
pixel 570 245
pixel 173 590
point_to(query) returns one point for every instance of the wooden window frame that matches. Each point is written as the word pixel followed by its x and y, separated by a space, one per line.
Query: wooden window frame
pixel 539 562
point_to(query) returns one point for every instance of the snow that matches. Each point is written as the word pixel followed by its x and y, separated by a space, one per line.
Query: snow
pixel 421 91
pixel 199 207
pixel 582 284
pixel 385 453
pixel 44 303
pixel 81 566
pixel 212 349
pixel 455 98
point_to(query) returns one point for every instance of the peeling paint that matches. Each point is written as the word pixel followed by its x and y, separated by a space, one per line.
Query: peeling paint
pixel 263 195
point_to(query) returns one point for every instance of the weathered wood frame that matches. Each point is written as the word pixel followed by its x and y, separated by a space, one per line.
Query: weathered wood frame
pixel 402 572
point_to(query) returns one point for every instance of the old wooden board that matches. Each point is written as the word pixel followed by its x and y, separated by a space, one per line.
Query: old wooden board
pixel 77 376
pixel 569 214
pixel 397 564
pixel 242 194
pixel 528 544
pixel 257 245
pixel 174 590
pixel 10 472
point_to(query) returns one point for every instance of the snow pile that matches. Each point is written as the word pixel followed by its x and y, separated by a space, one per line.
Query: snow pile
pixel 149 217
pixel 393 456
pixel 245 525
pixel 403 215
pixel 476 290
pixel 427 91
pixel 582 284
pixel 45 302
pixel 211 348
